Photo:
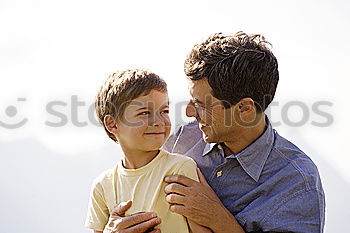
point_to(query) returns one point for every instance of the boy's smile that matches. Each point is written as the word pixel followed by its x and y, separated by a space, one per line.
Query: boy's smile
pixel 145 124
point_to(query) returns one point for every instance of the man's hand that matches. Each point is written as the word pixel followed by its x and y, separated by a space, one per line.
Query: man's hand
pixel 199 203
pixel 136 223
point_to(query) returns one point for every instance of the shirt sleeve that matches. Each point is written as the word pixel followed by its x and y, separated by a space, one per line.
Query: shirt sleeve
pixel 302 213
pixel 188 168
pixel 98 214
pixel 170 142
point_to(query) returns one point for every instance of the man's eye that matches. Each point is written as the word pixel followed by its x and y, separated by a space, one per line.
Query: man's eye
pixel 166 111
pixel 197 105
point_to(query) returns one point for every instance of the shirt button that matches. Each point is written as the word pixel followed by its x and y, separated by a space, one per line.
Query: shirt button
pixel 219 173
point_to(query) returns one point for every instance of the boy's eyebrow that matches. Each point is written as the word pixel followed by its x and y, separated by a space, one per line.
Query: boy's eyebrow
pixel 143 108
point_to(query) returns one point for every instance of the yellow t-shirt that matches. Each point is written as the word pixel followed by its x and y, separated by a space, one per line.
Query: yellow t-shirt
pixel 144 186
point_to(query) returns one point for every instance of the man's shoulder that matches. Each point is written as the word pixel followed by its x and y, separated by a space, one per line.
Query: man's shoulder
pixel 297 162
pixel 183 138
pixel 188 128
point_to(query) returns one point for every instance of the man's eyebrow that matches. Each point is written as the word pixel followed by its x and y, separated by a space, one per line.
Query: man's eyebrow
pixel 195 100
pixel 164 106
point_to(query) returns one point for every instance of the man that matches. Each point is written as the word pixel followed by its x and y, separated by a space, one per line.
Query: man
pixel 253 179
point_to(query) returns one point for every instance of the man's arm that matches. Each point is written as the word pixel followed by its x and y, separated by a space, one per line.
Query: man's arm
pixel 199 203
pixel 303 212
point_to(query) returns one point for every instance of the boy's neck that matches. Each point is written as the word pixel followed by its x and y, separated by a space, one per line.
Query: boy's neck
pixel 136 159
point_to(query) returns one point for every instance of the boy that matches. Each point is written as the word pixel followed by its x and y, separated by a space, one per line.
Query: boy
pixel 133 107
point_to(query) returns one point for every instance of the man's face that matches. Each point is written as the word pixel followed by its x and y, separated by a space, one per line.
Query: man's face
pixel 145 124
pixel 215 121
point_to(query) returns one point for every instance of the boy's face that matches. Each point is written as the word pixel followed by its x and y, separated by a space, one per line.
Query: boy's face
pixel 145 125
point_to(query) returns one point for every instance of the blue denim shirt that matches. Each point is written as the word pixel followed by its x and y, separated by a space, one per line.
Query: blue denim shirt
pixel 270 186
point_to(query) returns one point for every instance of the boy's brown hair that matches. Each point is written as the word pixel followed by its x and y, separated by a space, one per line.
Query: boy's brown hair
pixel 122 87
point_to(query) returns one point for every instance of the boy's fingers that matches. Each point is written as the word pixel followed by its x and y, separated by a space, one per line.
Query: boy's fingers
pixel 136 219
pixel 144 225
pixel 119 210
pixel 155 231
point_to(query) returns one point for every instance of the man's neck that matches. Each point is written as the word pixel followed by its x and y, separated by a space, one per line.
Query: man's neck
pixel 245 138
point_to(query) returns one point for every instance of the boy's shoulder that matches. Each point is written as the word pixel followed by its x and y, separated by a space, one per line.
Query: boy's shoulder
pixel 180 164
pixel 176 159
pixel 104 177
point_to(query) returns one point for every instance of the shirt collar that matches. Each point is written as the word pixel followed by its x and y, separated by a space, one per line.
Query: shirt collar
pixel 252 159
pixel 208 148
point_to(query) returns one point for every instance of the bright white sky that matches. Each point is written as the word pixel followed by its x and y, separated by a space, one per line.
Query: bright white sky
pixel 51 50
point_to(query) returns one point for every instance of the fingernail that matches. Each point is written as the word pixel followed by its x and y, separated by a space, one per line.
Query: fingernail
pixel 153 215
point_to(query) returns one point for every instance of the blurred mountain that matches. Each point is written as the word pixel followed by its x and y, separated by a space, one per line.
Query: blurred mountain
pixel 42 191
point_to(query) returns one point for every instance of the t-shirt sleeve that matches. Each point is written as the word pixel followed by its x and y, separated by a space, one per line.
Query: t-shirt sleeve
pixel 188 168
pixel 98 214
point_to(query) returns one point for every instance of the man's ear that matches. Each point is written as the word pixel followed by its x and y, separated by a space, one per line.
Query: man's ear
pixel 246 105
pixel 111 124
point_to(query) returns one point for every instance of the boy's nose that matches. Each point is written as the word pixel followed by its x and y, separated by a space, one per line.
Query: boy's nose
pixel 158 120
pixel 191 110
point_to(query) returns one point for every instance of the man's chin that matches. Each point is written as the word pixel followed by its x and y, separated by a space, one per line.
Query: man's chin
pixel 207 138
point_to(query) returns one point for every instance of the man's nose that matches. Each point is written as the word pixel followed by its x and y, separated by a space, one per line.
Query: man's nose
pixel 191 110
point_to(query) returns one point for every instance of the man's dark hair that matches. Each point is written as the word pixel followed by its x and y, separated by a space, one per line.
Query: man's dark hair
pixel 236 67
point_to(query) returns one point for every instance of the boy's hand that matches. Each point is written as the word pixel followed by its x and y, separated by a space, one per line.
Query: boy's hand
pixel 137 223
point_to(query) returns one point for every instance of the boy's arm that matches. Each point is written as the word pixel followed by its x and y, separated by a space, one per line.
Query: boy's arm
pixel 189 169
pixel 98 214
pixel 196 228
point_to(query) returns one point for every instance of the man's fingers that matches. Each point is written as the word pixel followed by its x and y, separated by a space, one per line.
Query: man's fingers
pixel 201 177
pixel 119 210
pixel 179 209
pixel 128 222
pixel 175 199
pixel 180 179
pixel 176 188
pixel 144 226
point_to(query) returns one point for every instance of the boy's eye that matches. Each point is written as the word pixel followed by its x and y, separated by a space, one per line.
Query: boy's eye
pixel 144 113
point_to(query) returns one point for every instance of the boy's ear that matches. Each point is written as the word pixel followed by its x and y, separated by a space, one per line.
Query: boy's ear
pixel 110 123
